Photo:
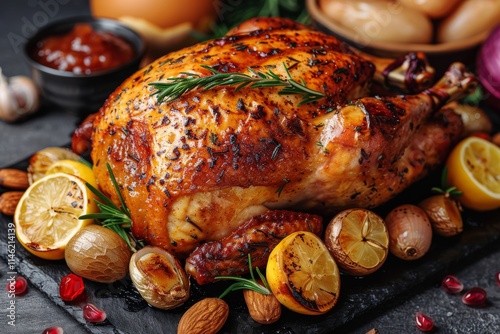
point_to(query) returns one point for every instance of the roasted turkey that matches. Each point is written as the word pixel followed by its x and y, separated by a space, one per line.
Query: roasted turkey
pixel 194 169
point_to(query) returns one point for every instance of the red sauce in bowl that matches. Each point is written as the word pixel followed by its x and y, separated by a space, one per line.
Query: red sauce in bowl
pixel 83 51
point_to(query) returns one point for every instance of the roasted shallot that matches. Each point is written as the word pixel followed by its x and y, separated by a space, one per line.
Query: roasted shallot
pixel 444 214
pixel 410 232
pixel 98 254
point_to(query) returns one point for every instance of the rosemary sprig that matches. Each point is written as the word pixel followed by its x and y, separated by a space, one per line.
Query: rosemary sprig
pixel 445 190
pixel 246 283
pixel 175 87
pixel 282 186
pixel 111 216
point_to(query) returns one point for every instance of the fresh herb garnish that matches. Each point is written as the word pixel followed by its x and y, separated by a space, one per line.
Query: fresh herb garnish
pixel 445 190
pixel 280 189
pixel 113 217
pixel 323 148
pixel 232 13
pixel 246 283
pixel 177 86
pixel 475 98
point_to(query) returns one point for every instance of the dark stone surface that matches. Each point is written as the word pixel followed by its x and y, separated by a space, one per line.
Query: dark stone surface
pixel 50 126
pixel 386 300
pixel 374 301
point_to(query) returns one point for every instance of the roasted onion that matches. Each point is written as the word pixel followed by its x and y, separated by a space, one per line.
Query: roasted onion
pixel 410 232
pixel 488 67
pixel 98 254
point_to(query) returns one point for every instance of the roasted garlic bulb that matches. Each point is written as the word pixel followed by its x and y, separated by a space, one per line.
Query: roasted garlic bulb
pixel 159 278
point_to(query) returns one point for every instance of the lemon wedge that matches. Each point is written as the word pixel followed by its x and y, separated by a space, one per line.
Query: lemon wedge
pixel 474 168
pixel 303 275
pixel 73 167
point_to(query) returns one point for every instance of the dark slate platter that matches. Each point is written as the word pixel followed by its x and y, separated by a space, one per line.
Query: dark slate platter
pixel 359 297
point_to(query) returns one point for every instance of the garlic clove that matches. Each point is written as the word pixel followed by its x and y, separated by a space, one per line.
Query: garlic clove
pixel 19 97
pixel 159 278
pixel 26 93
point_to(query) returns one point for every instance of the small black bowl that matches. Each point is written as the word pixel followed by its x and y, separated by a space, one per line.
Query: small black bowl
pixel 82 92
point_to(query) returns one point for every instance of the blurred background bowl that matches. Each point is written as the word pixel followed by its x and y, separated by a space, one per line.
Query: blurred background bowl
pixel 165 25
pixel 82 92
pixel 440 55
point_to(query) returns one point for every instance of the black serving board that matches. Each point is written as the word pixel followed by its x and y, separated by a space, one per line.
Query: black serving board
pixel 359 297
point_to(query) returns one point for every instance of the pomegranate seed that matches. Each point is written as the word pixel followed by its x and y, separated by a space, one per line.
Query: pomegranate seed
pixel 71 287
pixel 17 285
pixel 424 323
pixel 92 314
pixel 474 297
pixel 452 285
pixel 498 278
pixel 53 330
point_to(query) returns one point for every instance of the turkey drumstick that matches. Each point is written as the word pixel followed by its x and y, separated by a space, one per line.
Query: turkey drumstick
pixel 410 73
pixel 361 145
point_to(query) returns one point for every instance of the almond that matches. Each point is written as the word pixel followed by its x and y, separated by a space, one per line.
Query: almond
pixel 8 202
pixel 14 179
pixel 373 331
pixel 206 316
pixel 264 309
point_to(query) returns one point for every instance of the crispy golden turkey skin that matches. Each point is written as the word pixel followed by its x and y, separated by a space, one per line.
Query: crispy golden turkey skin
pixel 196 168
